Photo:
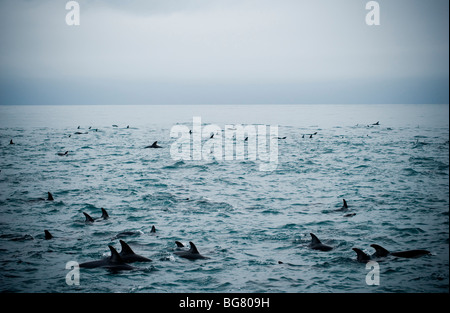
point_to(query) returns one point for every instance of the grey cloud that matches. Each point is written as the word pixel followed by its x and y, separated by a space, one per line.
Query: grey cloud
pixel 230 43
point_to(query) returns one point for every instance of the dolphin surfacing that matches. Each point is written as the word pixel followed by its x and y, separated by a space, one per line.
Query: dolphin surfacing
pixel 113 262
pixel 344 207
pixel 105 215
pixel 382 252
pixel 128 255
pixel 154 145
pixel 191 254
pixel 361 256
pixel 317 245
pixel 89 219
pixel 48 236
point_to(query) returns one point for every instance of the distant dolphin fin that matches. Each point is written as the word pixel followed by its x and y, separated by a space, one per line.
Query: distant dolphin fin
pixel 104 214
pixel 360 255
pixel 88 217
pixel 47 235
pixel 380 251
pixel 50 196
pixel 179 244
pixel 193 248
pixel 153 229
pixel 115 257
pixel 345 204
pixel 314 239
pixel 126 250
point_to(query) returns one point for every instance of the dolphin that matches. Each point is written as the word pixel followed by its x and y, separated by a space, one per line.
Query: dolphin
pixel 361 256
pixel 128 256
pixel 179 244
pixel 317 245
pixel 382 252
pixel 154 145
pixel 11 142
pixel 344 206
pixel 49 198
pixel 105 215
pixel 289 264
pixel 133 233
pixel 89 219
pixel 48 236
pixel 191 254
pixel 63 153
pixel 113 262
pixel 130 233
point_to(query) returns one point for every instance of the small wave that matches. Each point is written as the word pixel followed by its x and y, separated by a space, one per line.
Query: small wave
pixel 176 165
pixel 16 237
pixel 411 231
pixel 164 199
pixel 410 172
pixel 208 205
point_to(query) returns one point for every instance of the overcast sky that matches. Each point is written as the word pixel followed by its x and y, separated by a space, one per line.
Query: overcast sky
pixel 223 51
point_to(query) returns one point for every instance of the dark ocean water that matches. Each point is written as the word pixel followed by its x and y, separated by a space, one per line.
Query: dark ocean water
pixel 394 176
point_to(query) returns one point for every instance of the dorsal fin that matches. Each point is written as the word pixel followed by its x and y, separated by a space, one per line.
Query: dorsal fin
pixel 88 217
pixel 179 244
pixel 50 196
pixel 154 144
pixel 380 251
pixel 360 255
pixel 314 239
pixel 47 235
pixel 104 214
pixel 126 250
pixel 345 204
pixel 153 229
pixel 193 248
pixel 115 257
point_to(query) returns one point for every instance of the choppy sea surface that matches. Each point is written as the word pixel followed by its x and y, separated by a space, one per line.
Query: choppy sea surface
pixel 394 176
